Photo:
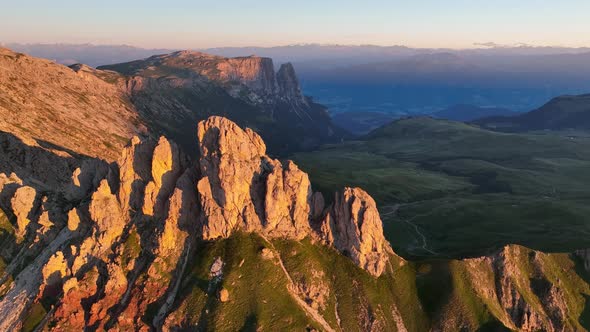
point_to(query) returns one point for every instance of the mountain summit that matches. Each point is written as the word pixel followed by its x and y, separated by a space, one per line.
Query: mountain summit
pixel 94 112
pixel 560 113
pixel 176 89
pixel 117 240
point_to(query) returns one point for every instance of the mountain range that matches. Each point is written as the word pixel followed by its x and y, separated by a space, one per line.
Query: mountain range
pixel 399 80
pixel 86 108
pixel 175 90
pixel 236 240
pixel 146 196
pixel 561 113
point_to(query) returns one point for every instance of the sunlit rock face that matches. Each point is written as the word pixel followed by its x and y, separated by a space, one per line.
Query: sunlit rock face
pixel 354 227
pixel 243 188
pixel 118 237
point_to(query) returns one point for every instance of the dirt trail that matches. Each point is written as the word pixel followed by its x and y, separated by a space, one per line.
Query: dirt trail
pixel 394 209
pixel 314 314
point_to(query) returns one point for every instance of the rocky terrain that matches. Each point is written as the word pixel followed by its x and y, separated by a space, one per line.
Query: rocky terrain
pixel 106 225
pixel 237 240
pixel 91 112
pixel 174 90
pixel 77 111
pixel 79 234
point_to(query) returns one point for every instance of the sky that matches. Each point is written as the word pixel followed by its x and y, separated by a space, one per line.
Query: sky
pixel 218 23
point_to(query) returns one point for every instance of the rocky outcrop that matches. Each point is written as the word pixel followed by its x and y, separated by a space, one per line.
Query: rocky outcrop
pixel 354 227
pixel 118 248
pixel 166 168
pixel 72 112
pixel 523 288
pixel 289 84
pixel 127 230
pixel 242 188
pixel 179 89
pixel 22 204
pixel 231 166
pixel 258 74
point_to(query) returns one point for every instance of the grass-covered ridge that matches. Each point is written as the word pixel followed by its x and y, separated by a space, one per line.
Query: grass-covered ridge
pixel 437 294
pixel 261 294
pixel 462 189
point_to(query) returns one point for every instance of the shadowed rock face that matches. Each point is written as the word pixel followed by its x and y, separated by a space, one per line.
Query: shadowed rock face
pixel 354 227
pixel 182 88
pixel 120 240
pixel 289 84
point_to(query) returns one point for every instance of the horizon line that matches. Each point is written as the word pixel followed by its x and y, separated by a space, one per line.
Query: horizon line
pixel 475 46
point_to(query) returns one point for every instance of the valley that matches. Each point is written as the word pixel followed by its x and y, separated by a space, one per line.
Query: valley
pixel 468 190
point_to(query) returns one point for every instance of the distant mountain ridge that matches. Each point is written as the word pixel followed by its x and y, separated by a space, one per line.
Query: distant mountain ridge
pixel 177 89
pixel 561 113
pixel 90 54
pixel 465 112
pixel 96 55
pixel 517 77
pixel 94 111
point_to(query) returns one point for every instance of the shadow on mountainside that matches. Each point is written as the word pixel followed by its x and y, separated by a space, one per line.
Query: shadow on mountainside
pixel 37 166
pixel 47 169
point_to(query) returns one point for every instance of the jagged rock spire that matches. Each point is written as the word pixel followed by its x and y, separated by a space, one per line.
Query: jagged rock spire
pixel 242 188
pixel 141 217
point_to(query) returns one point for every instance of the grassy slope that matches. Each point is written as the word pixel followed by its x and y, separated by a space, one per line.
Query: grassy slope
pixel 258 289
pixel 253 285
pixel 467 190
pixel 426 294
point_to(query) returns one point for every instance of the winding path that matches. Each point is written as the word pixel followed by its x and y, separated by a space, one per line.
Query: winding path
pixel 314 314
pixel 394 209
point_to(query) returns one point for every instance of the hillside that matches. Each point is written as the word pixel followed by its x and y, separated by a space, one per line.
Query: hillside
pixel 95 112
pixel 175 90
pixel 236 240
pixel 361 122
pixel 448 189
pixel 78 111
pixel 561 113
pixel 466 113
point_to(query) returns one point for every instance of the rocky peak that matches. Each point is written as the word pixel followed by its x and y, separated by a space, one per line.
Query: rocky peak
pixel 124 237
pixel 256 73
pixel 252 78
pixel 242 188
pixel 289 83
pixel 354 227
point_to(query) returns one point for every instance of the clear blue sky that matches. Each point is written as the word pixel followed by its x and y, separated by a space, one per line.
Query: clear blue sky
pixel 195 24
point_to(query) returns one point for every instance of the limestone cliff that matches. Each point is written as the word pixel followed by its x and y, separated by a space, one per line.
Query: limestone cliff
pixel 288 83
pixel 354 227
pixel 157 241
pixel 181 88
pixel 122 234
